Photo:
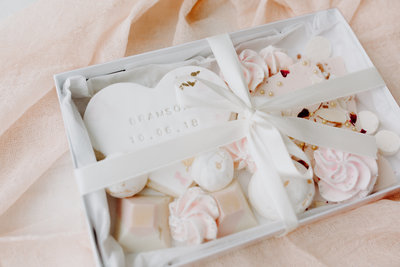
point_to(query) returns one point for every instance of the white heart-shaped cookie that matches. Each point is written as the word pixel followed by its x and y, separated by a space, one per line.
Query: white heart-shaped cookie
pixel 125 117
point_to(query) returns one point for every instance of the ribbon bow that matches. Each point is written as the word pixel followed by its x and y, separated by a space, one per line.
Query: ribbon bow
pixel 268 132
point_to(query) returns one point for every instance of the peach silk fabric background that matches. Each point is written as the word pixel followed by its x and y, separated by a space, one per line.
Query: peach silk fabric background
pixel 41 218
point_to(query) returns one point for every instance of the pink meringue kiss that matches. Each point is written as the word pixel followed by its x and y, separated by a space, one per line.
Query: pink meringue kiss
pixel 275 59
pixel 193 217
pixel 344 176
pixel 254 68
pixel 240 155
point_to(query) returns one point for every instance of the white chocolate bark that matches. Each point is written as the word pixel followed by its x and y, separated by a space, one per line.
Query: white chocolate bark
pixel 172 180
pixel 142 223
pixel 235 213
pixel 301 75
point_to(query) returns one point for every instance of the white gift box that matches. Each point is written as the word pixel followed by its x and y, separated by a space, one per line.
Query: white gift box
pixel 76 87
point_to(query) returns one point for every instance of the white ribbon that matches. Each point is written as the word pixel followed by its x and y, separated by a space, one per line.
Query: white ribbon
pixel 267 131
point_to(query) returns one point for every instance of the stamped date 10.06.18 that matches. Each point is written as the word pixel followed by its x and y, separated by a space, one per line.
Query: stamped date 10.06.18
pixel 159 132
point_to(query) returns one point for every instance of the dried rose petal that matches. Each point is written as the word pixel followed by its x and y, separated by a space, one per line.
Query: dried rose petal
pixel 285 73
pixel 353 118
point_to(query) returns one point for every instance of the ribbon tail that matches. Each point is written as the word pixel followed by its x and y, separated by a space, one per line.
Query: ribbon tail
pixel 326 136
pixel 272 182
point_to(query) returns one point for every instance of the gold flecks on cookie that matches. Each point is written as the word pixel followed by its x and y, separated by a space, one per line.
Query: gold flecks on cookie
pixel 354 128
pixel 262 92
pixel 218 165
pixel 195 73
pixel 99 155
pixel 327 76
pixel 320 67
pixel 182 85
pixel 324 121
pixel 315 71
pixel 192 83
pixel 305 63
pixel 188 163
pixel 286 183
pixel 279 83
pixel 309 181
pixel 270 93
pixel 314 147
pixel 332 104
pixel 347 124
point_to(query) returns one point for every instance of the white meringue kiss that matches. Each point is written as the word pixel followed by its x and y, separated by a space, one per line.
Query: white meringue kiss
pixel 193 217
pixel 275 59
pixel 128 188
pixel 213 170
pixel 254 68
pixel 240 155
pixel 344 176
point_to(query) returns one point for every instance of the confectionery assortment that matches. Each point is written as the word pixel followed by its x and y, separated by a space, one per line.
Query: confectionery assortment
pixel 200 199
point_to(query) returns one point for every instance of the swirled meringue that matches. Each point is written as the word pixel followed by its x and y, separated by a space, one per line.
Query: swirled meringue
pixel 275 59
pixel 193 217
pixel 213 170
pixel 128 188
pixel 254 68
pixel 240 155
pixel 344 176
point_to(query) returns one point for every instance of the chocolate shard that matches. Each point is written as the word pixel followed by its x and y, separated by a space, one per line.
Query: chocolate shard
pixel 302 162
pixel 303 113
